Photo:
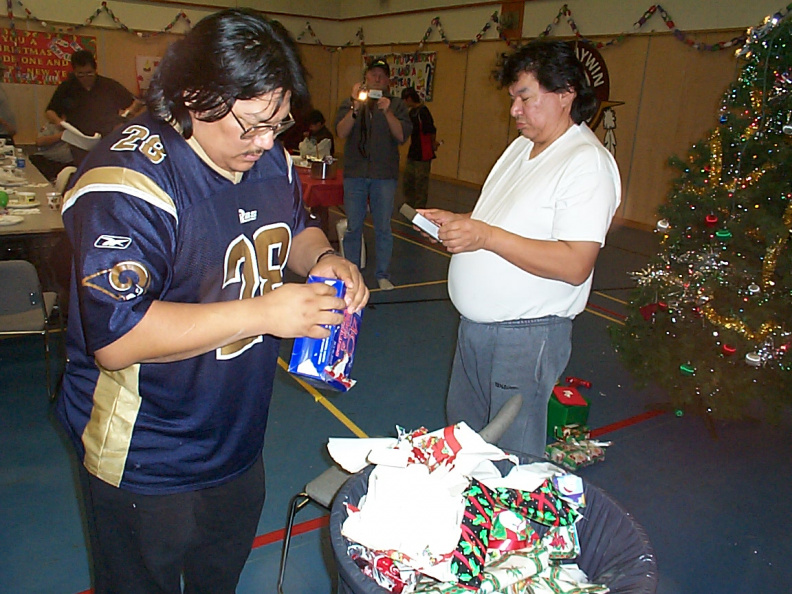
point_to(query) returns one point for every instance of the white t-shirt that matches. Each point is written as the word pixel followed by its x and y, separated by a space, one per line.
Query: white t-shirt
pixel 569 192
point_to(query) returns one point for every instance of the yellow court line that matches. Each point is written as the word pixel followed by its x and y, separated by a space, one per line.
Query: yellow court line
pixel 617 300
pixel 412 286
pixel 325 402
pixel 407 239
pixel 596 313
pixel 423 245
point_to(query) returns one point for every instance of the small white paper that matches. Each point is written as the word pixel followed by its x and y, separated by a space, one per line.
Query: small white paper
pixel 73 136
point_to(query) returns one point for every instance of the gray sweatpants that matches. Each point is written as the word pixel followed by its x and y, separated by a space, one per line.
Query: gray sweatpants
pixel 495 361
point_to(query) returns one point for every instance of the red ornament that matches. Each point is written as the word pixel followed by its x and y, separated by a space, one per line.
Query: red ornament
pixel 662 305
pixel 711 220
pixel 728 350
pixel 647 311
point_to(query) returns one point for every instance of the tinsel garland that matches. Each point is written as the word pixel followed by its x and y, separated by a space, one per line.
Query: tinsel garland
pixel 435 24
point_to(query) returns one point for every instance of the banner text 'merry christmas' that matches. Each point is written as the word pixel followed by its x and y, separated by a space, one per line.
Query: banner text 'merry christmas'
pixel 37 57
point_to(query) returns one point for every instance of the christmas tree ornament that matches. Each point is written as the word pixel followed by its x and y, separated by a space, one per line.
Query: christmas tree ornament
pixel 663 225
pixel 728 350
pixel 787 129
pixel 753 359
pixel 723 234
pixel 687 369
pixel 711 220
pixel 754 289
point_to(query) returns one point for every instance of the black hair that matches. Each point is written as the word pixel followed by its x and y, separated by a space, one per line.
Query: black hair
pixel 315 117
pixel 411 94
pixel 229 55
pixel 83 58
pixel 556 68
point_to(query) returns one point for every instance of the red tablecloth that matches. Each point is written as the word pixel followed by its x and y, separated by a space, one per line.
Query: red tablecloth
pixel 321 192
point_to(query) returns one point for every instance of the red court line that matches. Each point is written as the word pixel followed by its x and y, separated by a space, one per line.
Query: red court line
pixel 277 535
pixel 626 423
pixel 606 310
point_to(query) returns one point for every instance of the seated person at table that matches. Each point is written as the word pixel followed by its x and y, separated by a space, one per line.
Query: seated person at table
pixel 317 130
pixel 52 154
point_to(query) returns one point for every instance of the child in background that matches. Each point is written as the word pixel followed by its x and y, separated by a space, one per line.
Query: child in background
pixel 317 129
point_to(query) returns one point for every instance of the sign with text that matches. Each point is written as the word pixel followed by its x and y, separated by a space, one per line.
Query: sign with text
pixel 415 70
pixel 36 57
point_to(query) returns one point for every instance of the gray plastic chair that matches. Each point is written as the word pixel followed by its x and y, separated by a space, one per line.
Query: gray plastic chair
pixel 324 487
pixel 24 308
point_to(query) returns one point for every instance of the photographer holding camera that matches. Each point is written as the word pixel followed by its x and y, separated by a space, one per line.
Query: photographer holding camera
pixel 373 124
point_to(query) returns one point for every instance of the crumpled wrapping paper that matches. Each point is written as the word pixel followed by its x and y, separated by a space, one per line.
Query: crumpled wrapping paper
pixel 416 493
pixel 432 504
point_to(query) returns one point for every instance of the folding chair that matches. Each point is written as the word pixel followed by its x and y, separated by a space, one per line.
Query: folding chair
pixel 324 487
pixel 24 308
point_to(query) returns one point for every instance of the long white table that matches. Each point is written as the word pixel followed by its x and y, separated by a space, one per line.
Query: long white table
pixel 39 237
pixel 46 220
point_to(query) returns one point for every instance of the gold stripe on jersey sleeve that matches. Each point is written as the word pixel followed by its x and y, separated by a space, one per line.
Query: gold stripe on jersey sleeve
pixel 108 434
pixel 120 179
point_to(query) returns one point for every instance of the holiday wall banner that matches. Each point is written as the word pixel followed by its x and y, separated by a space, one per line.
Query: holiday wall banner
pixel 415 70
pixel 144 68
pixel 36 57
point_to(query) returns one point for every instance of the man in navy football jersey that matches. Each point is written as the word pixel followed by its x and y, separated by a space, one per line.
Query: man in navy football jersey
pixel 182 223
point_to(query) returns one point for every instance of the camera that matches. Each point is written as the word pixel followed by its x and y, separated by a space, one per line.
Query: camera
pixel 365 94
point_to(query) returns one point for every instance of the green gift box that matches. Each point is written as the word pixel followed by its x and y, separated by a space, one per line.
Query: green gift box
pixel 566 407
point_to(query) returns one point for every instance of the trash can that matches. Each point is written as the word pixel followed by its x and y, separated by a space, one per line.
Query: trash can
pixel 614 548
pixel 341 227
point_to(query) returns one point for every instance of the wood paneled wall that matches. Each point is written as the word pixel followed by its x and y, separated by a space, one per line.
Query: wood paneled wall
pixel 671 95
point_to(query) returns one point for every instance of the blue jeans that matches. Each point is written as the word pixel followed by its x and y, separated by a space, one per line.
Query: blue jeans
pixel 379 193
pixel 495 361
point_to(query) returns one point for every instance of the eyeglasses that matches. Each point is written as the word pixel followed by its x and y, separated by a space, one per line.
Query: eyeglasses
pixel 263 129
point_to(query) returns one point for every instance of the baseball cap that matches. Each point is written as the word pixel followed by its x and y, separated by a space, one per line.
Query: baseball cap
pixel 379 63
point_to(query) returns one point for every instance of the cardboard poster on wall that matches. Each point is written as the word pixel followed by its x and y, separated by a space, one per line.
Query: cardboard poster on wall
pixel 36 57
pixel 415 69
pixel 145 67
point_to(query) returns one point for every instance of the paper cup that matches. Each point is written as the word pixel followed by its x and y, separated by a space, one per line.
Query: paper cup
pixel 25 197
pixel 54 200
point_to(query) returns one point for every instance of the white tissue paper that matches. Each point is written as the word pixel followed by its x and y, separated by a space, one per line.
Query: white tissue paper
pixel 309 149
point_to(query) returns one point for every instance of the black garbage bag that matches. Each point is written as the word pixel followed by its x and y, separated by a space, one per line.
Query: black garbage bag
pixel 614 548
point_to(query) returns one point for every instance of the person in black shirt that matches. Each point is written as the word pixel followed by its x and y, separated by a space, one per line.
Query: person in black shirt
pixel 423 144
pixel 90 102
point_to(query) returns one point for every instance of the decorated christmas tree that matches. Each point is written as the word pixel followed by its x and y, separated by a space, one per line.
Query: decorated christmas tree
pixel 711 316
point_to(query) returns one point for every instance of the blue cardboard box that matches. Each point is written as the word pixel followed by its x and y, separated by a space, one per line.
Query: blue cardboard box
pixel 327 362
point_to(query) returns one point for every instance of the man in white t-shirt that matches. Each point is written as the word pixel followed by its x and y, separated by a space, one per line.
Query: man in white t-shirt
pixel 523 260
